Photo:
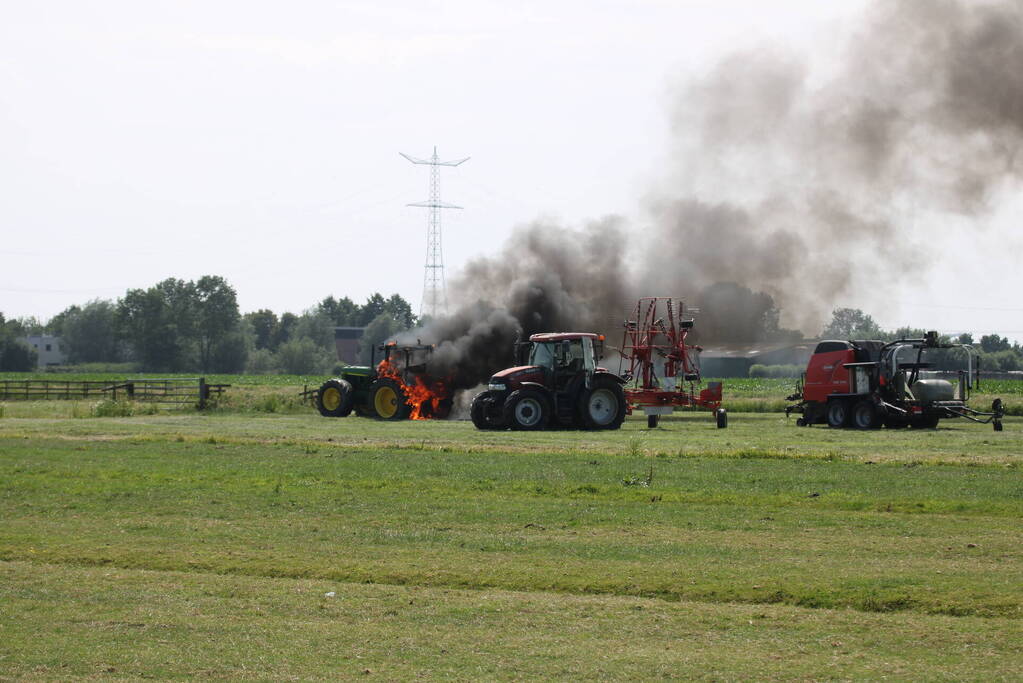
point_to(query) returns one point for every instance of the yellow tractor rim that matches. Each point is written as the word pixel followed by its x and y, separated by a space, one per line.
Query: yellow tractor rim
pixel 385 402
pixel 331 398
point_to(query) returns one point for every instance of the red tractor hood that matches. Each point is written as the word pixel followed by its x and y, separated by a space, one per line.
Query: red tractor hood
pixel 518 372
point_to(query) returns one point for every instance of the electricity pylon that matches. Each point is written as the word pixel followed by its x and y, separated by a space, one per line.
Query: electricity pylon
pixel 435 295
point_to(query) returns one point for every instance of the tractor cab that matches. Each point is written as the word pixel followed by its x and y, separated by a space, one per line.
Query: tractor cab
pixel 562 357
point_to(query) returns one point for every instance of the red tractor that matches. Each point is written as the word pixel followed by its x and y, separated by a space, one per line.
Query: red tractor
pixel 865 384
pixel 557 381
pixel 663 372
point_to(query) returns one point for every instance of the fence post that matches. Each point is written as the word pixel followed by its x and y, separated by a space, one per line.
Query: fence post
pixel 204 393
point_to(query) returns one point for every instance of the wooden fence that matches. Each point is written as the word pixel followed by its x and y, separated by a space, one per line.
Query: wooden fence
pixel 191 390
pixel 50 390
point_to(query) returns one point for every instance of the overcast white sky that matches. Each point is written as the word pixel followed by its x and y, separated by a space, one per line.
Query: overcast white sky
pixel 259 141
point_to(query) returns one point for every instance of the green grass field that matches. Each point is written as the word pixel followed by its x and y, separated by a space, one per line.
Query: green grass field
pixel 267 544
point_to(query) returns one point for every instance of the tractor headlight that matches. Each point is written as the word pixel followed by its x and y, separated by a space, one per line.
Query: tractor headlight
pixel 497 386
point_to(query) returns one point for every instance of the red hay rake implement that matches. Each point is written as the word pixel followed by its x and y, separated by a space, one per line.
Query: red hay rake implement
pixel 664 373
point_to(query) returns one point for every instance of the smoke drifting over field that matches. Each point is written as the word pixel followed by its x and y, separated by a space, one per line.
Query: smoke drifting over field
pixel 797 186
pixel 805 186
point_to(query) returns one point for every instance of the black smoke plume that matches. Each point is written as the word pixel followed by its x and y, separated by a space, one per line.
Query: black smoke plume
pixel 798 185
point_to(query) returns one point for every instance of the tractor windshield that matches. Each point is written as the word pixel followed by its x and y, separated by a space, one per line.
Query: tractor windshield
pixel 542 354
pixel 558 355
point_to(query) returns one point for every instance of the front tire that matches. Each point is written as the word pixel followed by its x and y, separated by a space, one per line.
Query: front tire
pixel 651 421
pixel 837 414
pixel 387 398
pixel 335 398
pixel 722 418
pixel 527 410
pixel 481 411
pixel 603 405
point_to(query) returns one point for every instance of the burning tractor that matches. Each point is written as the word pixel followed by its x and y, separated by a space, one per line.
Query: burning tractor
pixel 396 388
pixel 865 384
pixel 663 370
pixel 557 381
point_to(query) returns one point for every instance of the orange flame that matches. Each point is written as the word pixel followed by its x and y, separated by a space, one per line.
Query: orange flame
pixel 426 397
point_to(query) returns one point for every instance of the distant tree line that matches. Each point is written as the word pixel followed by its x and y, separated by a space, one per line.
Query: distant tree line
pixel 196 326
pixel 997 354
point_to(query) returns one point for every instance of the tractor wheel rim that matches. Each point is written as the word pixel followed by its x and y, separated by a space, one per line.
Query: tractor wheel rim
pixel 602 406
pixel 385 402
pixel 331 398
pixel 527 412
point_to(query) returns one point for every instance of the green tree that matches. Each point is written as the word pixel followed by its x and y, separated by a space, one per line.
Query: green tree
pixel 264 327
pixel 965 338
pixel 301 356
pixel 15 354
pixel 231 352
pixel 992 343
pixel 55 325
pixel 145 322
pixel 733 313
pixel 262 362
pixel 89 333
pixel 315 325
pixel 216 317
pixel 373 307
pixel 159 324
pixel 344 312
pixel 285 328
pixel 400 311
pixel 851 323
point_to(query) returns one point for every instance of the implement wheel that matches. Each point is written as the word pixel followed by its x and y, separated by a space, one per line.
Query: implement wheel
pixel 837 414
pixel 387 399
pixel 651 421
pixel 865 416
pixel 335 399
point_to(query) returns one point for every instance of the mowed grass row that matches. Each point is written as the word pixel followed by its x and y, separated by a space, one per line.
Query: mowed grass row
pixel 954 443
pixel 575 513
pixel 89 622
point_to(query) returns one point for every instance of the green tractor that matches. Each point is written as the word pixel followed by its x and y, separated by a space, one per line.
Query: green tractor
pixel 396 388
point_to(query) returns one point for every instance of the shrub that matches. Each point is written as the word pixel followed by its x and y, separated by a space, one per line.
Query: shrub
pixel 111 408
pixel 262 362
pixel 775 371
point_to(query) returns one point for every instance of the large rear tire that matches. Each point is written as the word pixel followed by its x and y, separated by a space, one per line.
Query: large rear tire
pixel 865 415
pixel 335 398
pixel 481 411
pixel 526 409
pixel 387 399
pixel 602 406
pixel 837 414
